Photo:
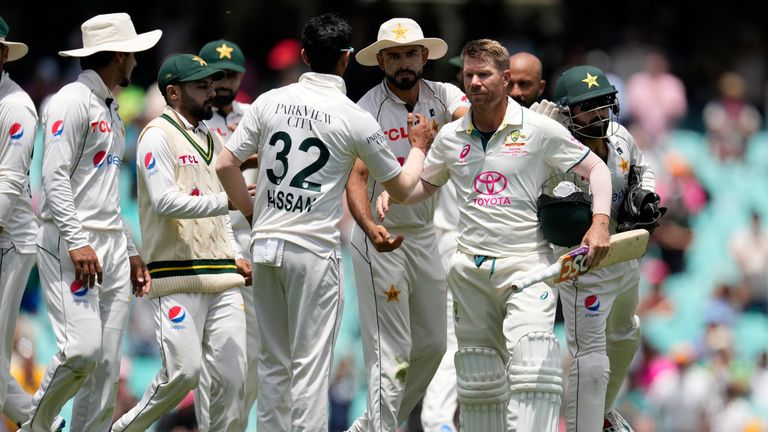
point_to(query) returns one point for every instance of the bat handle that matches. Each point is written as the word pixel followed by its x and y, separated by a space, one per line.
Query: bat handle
pixel 520 284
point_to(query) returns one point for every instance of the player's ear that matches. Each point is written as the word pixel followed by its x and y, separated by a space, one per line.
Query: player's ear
pixel 424 55
pixel 304 57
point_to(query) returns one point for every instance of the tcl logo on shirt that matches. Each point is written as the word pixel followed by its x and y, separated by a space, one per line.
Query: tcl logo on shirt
pixel 101 126
pixel 395 134
pixel 185 160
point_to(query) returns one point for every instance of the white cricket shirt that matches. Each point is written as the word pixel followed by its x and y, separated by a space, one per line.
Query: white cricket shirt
pixel 497 187
pixel 83 146
pixel 308 135
pixel 623 152
pixel 18 128
pixel 437 102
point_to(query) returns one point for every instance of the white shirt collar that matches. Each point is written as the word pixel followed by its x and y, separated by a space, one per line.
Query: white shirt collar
pixel 324 80
pixel 94 82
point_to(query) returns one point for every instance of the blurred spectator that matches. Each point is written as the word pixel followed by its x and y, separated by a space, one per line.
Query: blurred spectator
pixel 736 414
pixel 749 248
pixel 730 119
pixel 342 391
pixel 141 328
pixel 683 196
pixel 759 384
pixel 656 98
pixel 687 397
pixel 720 306
pixel 655 272
pixel 285 59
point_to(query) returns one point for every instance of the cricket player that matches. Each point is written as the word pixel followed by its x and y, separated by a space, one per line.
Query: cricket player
pixel 602 329
pixel 525 83
pixel 192 256
pixel 440 401
pixel 497 156
pixel 86 259
pixel 400 283
pixel 18 224
pixel 308 136
pixel 227 113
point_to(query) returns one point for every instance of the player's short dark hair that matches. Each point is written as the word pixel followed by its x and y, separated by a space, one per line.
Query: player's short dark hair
pixel 97 60
pixel 489 50
pixel 324 37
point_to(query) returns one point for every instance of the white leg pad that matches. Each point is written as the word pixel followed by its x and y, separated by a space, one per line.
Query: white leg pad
pixel 482 388
pixel 621 347
pixel 536 383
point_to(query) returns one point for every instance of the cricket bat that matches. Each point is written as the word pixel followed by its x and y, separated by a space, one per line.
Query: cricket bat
pixel 624 247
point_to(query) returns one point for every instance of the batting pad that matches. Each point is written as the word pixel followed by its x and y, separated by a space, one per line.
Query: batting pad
pixel 536 383
pixel 483 389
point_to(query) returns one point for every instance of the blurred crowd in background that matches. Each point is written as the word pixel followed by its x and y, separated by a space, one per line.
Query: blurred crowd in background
pixel 695 101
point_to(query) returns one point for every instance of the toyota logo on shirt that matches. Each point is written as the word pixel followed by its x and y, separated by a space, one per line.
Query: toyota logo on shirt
pixel 490 183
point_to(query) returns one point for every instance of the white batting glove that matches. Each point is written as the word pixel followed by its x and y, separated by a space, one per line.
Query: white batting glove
pixel 549 109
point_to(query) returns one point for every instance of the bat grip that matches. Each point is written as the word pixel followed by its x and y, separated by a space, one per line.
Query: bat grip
pixel 520 284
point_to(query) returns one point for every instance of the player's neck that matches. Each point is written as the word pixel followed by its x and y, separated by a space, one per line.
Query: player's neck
pixel 488 118
pixel 410 96
pixel 225 110
pixel 195 122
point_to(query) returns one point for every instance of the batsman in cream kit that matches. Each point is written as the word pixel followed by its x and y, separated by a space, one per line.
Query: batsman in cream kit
pixel 599 306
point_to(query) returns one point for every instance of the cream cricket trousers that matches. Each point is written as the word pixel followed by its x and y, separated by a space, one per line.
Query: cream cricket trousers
pixel 242 233
pixel 14 272
pixel 402 308
pixel 298 305
pixel 88 324
pixel 195 329
pixel 603 334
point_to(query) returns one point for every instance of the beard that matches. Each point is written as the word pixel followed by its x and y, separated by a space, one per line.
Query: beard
pixel 125 82
pixel 202 112
pixel 224 97
pixel 595 130
pixel 404 80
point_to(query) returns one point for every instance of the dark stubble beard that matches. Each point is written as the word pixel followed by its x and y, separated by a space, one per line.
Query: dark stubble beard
pixel 224 97
pixel 405 83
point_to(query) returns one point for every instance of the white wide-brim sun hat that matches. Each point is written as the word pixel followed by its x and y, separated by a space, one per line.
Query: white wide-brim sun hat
pixel 400 32
pixel 112 32
pixel 16 50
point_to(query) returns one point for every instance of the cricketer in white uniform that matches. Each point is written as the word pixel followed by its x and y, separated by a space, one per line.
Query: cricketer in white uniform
pixel 402 322
pixel 18 224
pixel 308 136
pixel 599 307
pixel 191 256
pixel 497 156
pixel 83 233
pixel 227 113
pixel 440 401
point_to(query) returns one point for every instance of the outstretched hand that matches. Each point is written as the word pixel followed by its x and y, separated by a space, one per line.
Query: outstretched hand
pixel 381 239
